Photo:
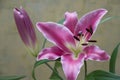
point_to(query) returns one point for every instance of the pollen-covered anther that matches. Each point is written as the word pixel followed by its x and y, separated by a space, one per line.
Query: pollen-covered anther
pixel 76 38
pixel 92 41
pixel 84 44
pixel 90 30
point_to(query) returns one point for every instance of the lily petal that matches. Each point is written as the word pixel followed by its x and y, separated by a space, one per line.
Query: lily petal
pixel 51 53
pixel 89 22
pixel 71 66
pixel 57 34
pixel 71 20
pixel 95 53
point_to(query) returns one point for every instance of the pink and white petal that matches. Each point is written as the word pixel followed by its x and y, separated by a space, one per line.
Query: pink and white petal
pixel 71 65
pixel 90 22
pixel 51 53
pixel 57 34
pixel 95 53
pixel 71 20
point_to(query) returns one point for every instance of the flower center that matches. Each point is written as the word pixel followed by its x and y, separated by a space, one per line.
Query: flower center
pixel 81 41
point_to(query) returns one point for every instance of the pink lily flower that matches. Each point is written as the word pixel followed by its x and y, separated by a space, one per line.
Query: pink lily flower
pixel 71 41
pixel 25 27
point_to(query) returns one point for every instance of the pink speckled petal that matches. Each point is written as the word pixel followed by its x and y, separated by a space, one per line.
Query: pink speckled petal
pixel 89 22
pixel 95 53
pixel 71 66
pixel 57 34
pixel 71 20
pixel 51 53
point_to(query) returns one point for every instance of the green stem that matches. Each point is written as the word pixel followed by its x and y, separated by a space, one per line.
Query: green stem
pixel 85 65
pixel 45 40
pixel 33 71
pixel 47 63
pixel 54 71
pixel 33 74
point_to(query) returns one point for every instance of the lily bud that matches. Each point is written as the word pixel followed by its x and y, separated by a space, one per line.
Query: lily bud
pixel 25 28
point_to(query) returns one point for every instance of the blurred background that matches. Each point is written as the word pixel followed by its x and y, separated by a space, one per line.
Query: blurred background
pixel 14 59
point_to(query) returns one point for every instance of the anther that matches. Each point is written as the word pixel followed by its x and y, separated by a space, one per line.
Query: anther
pixel 84 44
pixel 76 38
pixel 92 41
pixel 90 30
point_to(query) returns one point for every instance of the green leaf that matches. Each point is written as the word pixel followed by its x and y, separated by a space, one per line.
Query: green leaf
pixel 108 18
pixel 113 59
pixel 55 76
pixel 61 21
pixel 102 75
pixel 11 77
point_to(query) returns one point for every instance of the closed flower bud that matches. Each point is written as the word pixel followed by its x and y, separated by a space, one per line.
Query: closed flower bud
pixel 25 28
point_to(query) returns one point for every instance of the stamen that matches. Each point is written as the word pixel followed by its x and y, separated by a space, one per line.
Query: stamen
pixel 84 44
pixel 90 30
pixel 76 38
pixel 92 41
pixel 87 30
